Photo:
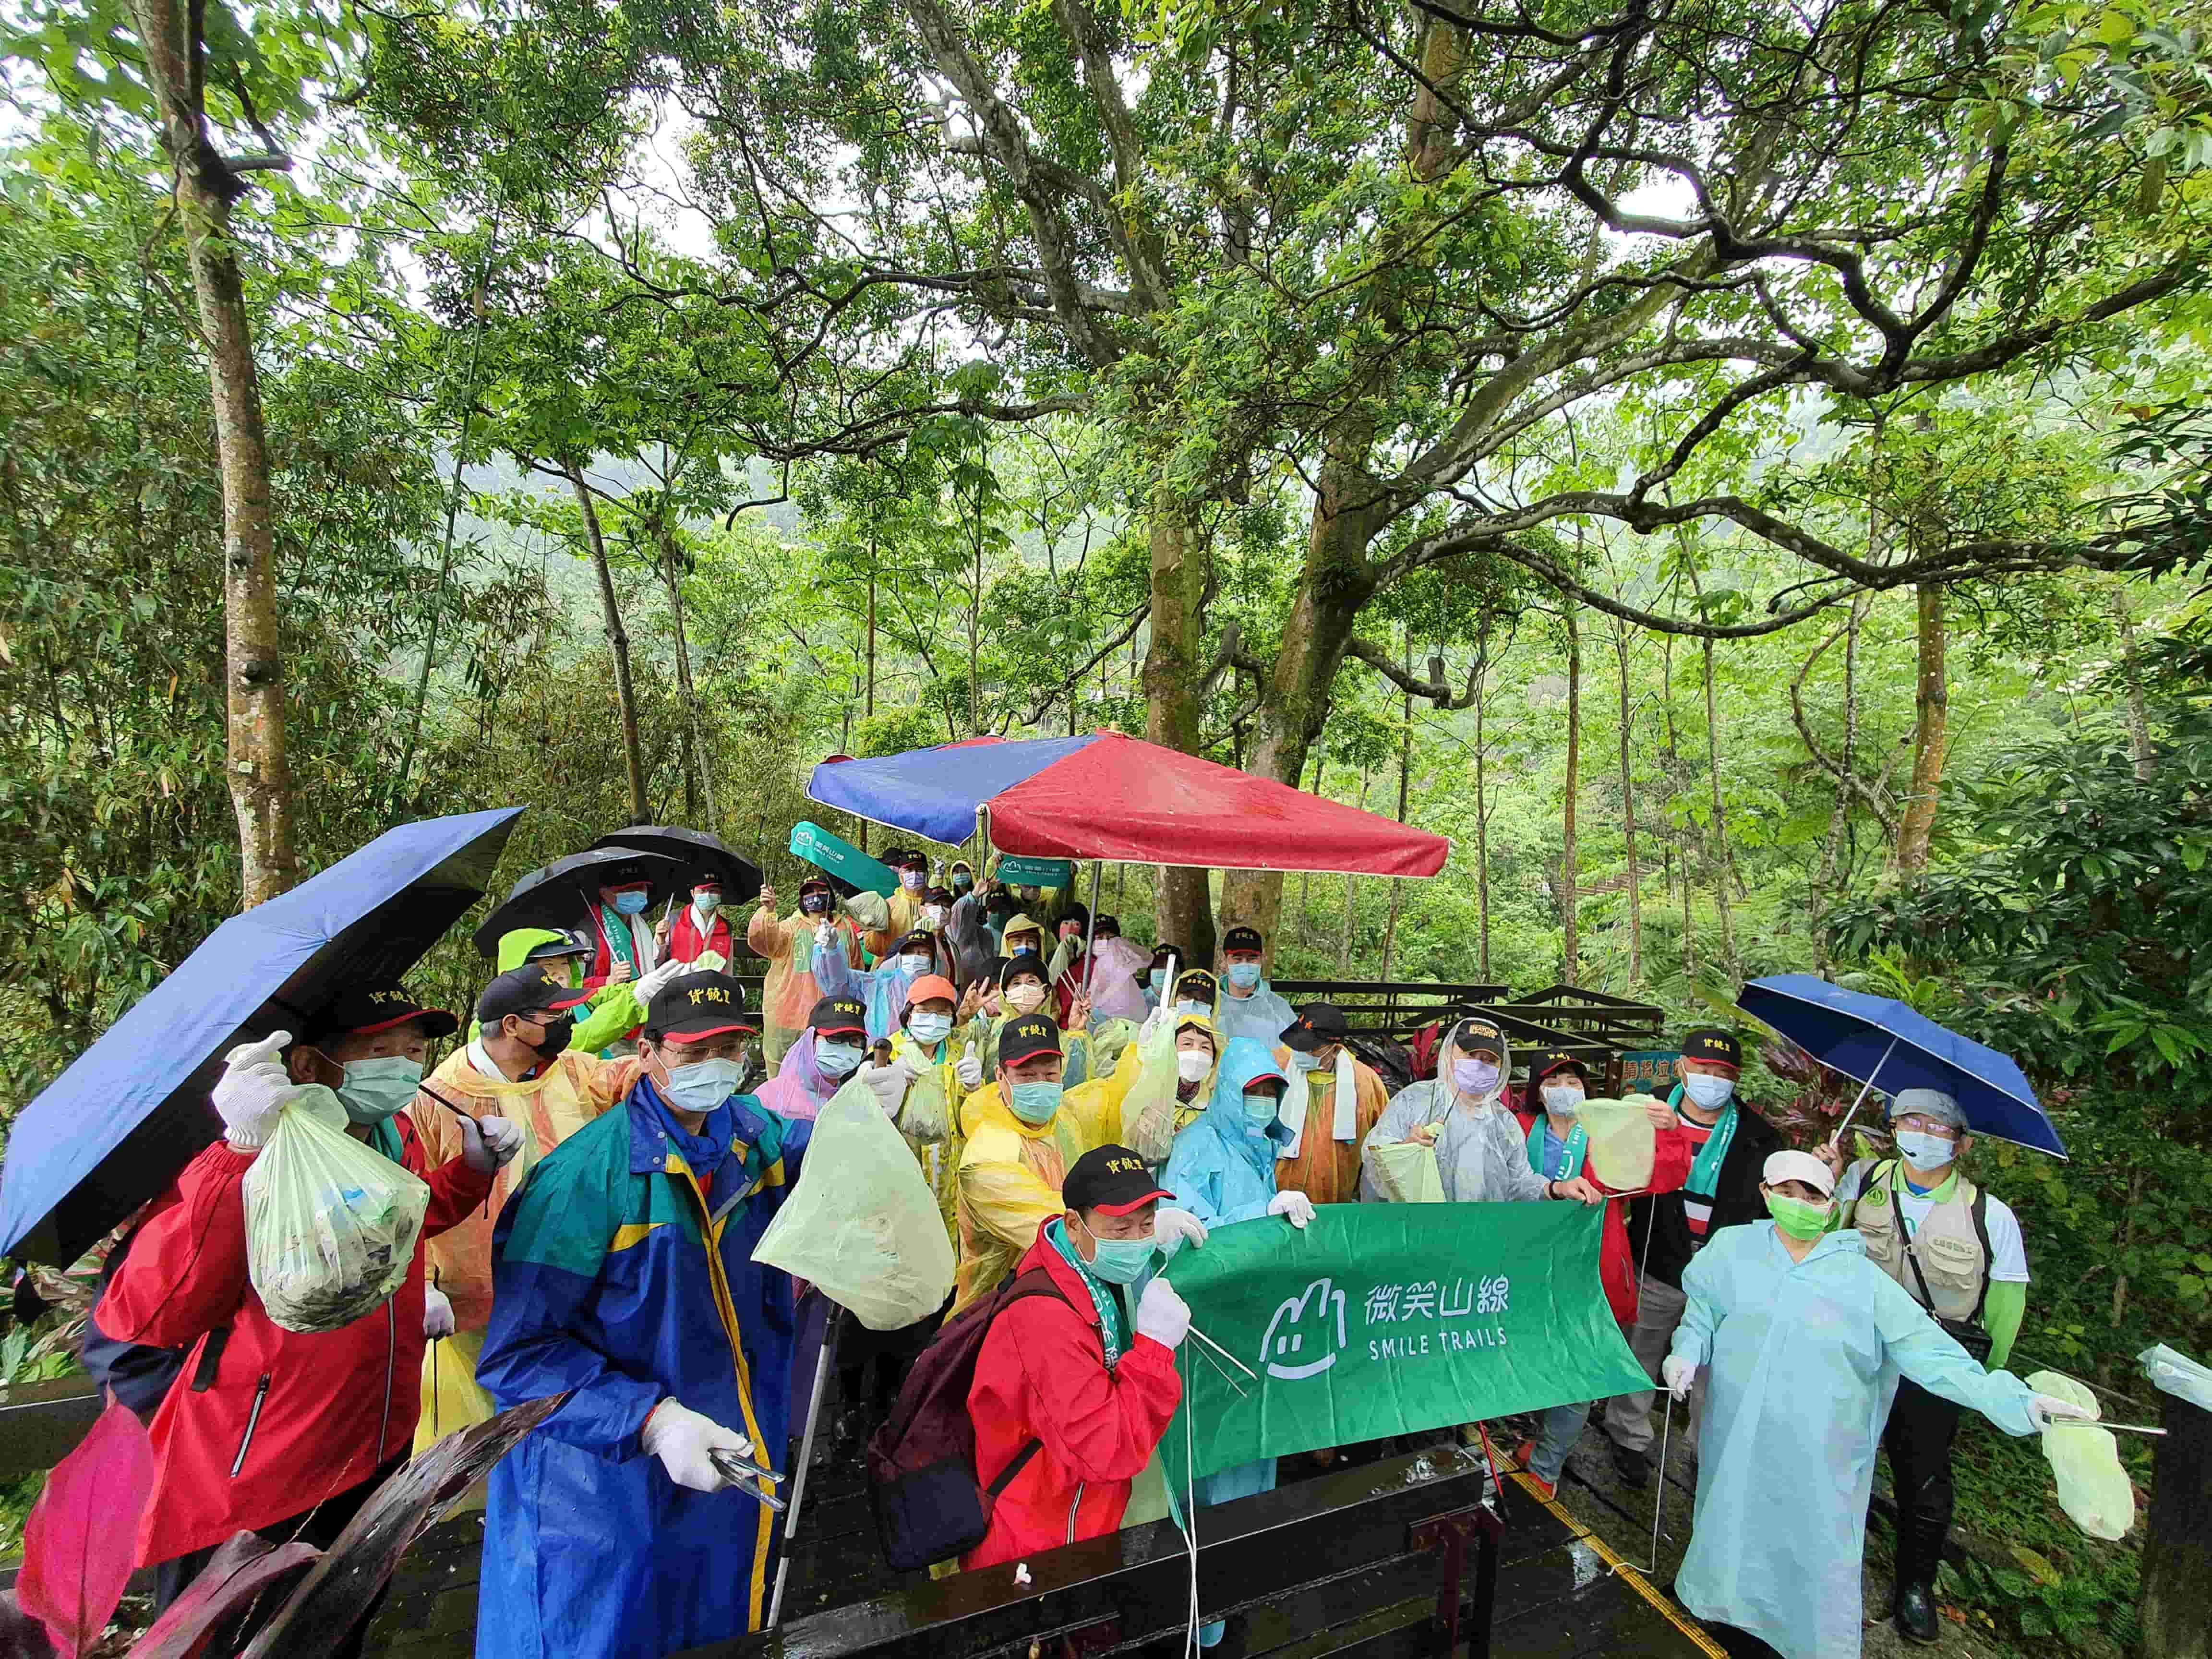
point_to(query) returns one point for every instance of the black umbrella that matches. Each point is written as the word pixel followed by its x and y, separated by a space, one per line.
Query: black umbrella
pixel 741 877
pixel 561 895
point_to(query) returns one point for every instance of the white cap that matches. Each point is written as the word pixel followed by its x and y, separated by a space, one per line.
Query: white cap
pixel 1928 1102
pixel 1799 1166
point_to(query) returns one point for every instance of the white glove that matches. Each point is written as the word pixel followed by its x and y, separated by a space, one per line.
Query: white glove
pixel 1152 1023
pixel 888 1085
pixel 1677 1371
pixel 824 934
pixel 969 1071
pixel 437 1313
pixel 1173 1229
pixel 653 983
pixel 251 1092
pixel 489 1143
pixel 1162 1314
pixel 1294 1206
pixel 682 1438
pixel 2048 1408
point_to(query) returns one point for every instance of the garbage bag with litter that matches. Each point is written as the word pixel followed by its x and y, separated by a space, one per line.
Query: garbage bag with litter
pixel 1148 1109
pixel 862 1226
pixel 2093 1490
pixel 1407 1173
pixel 1623 1145
pixel 2177 1374
pixel 925 1115
pixel 330 1223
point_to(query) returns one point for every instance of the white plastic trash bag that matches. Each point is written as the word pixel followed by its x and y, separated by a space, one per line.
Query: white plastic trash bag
pixel 1148 1109
pixel 1623 1144
pixel 862 1226
pixel 330 1223
pixel 2177 1374
pixel 1407 1173
pixel 2093 1490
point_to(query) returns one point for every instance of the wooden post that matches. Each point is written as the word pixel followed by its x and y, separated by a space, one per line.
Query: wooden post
pixel 2176 1608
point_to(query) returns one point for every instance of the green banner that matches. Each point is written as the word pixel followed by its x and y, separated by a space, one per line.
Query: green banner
pixel 1017 872
pixel 839 857
pixel 1383 1319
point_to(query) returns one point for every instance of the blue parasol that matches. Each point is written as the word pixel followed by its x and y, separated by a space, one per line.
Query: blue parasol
pixel 114 1129
pixel 1885 1045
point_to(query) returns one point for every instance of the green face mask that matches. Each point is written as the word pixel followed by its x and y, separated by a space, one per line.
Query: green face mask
pixel 1120 1260
pixel 1797 1217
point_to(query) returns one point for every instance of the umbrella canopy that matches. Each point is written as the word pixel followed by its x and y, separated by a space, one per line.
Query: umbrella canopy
pixel 115 1129
pixel 1882 1043
pixel 1107 796
pixel 741 877
pixel 560 895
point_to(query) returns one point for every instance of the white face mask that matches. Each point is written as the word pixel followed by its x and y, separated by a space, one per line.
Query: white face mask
pixel 929 1030
pixel 706 903
pixel 914 964
pixel 1193 1064
pixel 1563 1098
pixel 1025 996
pixel 933 914
pixel 1708 1094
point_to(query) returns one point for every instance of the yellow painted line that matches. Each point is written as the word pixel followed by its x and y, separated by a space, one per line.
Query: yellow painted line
pixel 1642 1586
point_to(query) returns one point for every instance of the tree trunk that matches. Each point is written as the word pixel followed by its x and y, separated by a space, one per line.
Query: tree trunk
pixel 695 724
pixel 2138 717
pixel 871 616
pixel 1723 862
pixel 974 627
pixel 1628 820
pixel 256 766
pixel 1931 736
pixel 1405 774
pixel 1481 818
pixel 1673 769
pixel 1569 867
pixel 1171 674
pixel 617 644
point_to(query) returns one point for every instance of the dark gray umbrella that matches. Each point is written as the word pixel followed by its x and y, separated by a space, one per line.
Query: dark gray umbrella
pixel 741 877
pixel 562 894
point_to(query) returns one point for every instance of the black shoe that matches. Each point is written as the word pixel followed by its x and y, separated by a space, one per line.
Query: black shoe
pixel 1916 1614
pixel 1634 1467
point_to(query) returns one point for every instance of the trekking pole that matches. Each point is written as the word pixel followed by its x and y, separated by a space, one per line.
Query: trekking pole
pixel 1659 1502
pixel 829 1325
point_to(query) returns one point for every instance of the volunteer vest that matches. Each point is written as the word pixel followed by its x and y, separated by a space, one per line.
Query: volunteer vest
pixel 1953 1243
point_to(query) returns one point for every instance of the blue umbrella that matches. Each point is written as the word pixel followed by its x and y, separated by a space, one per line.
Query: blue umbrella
pixel 1883 1044
pixel 114 1129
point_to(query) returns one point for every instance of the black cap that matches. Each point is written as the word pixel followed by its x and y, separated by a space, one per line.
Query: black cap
pixel 698 1005
pixel 534 988
pixel 939 895
pixel 1558 1060
pixel 707 875
pixel 911 857
pixel 1478 1034
pixel 816 880
pixel 572 943
pixel 626 875
pixel 1026 1036
pixel 1112 1179
pixel 1107 927
pixel 1710 1043
pixel 838 1014
pixel 1161 953
pixel 362 1009
pixel 1242 939
pixel 1200 984
pixel 894 856
pixel 1079 914
pixel 1024 961
pixel 1318 1025
pixel 920 940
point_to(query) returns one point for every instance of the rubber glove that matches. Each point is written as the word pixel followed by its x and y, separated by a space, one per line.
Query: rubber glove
pixel 437 1313
pixel 1162 1314
pixel 682 1438
pixel 251 1093
pixel 1678 1371
pixel 888 1085
pixel 1294 1206
pixel 1173 1229
pixel 969 1071
pixel 489 1143
pixel 824 934
pixel 653 983
pixel 2049 1408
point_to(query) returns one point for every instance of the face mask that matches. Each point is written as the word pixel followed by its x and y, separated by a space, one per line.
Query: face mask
pixel 706 903
pixel 837 1059
pixel 1025 996
pixel 961 884
pixel 703 1086
pixel 1034 1103
pixel 1244 975
pixel 1193 1064
pixel 914 964
pixel 1708 1094
pixel 1259 1109
pixel 1564 1098
pixel 374 1090
pixel 933 914
pixel 1304 1062
pixel 1797 1217
pixel 1158 979
pixel 1474 1077
pixel 558 1030
pixel 632 903
pixel 911 880
pixel 815 904
pixel 1120 1260
pixel 1192 1006
pixel 1921 1150
pixel 930 1030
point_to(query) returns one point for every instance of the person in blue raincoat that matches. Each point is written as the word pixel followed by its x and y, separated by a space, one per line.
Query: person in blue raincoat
pixel 623 1274
pixel 1806 1339
pixel 883 989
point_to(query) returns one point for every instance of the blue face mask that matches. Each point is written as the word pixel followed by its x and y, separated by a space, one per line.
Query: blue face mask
pixel 703 1086
pixel 1158 980
pixel 1244 975
pixel 1920 1149
pixel 1120 1260
pixel 632 903
pixel 929 1030
pixel 375 1090
pixel 1192 1006
pixel 837 1058
pixel 1035 1103
pixel 1304 1062
pixel 1259 1110
pixel 1708 1094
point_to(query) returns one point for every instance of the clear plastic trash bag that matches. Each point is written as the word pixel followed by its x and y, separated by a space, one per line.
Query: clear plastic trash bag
pixel 925 1114
pixel 2177 1374
pixel 862 1226
pixel 1148 1111
pixel 331 1222
pixel 2093 1490
pixel 1406 1173
pixel 1623 1144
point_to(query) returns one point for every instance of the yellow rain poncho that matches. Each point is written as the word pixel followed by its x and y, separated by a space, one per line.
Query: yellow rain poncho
pixel 1010 1174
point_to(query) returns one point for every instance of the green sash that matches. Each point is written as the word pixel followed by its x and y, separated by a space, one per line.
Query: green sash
pixel 1577 1146
pixel 1110 1331
pixel 384 1135
pixel 1705 1173
pixel 621 946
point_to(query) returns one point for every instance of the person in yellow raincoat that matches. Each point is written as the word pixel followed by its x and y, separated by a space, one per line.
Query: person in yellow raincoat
pixel 933 1068
pixel 1157 1108
pixel 791 989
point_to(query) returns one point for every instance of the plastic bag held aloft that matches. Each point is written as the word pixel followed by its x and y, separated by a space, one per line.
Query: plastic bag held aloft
pixel 330 1223
pixel 1148 1111
pixel 1623 1144
pixel 2093 1490
pixel 862 1224
pixel 1407 1173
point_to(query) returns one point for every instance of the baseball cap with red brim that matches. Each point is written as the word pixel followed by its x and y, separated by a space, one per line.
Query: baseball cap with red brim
pixel 834 1015
pixel 534 988
pixel 362 1010
pixel 1112 1179
pixel 697 1006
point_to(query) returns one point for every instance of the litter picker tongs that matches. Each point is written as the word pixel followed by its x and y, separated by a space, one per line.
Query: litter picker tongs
pixel 748 1477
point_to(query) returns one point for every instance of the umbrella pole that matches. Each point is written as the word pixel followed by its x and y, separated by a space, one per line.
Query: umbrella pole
pixel 1837 1139
pixel 1089 977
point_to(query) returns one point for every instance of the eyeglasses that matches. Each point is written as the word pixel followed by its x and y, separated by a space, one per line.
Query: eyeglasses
pixel 1926 1126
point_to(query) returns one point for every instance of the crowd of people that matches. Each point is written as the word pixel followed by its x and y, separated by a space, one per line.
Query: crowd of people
pixel 620 1125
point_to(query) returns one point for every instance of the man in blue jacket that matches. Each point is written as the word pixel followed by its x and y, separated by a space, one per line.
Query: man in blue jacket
pixel 623 1274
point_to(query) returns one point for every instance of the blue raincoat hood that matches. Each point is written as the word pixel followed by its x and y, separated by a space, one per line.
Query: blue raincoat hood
pixel 1222 1168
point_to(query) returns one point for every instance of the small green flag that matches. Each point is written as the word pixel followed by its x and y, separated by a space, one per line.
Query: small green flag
pixel 1383 1319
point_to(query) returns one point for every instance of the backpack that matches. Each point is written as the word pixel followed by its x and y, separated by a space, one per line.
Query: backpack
pixel 929 1505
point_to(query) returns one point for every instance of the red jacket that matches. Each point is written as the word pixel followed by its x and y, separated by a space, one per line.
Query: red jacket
pixel 1616 1261
pixel 1042 1374
pixel 285 1419
pixel 687 943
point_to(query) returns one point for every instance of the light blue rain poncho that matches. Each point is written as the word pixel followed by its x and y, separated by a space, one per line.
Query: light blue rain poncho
pixel 1222 1169
pixel 1805 1357
pixel 1262 1015
pixel 883 989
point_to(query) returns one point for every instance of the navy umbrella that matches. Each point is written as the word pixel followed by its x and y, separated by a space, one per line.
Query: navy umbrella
pixel 566 892
pixel 1884 1045
pixel 115 1129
